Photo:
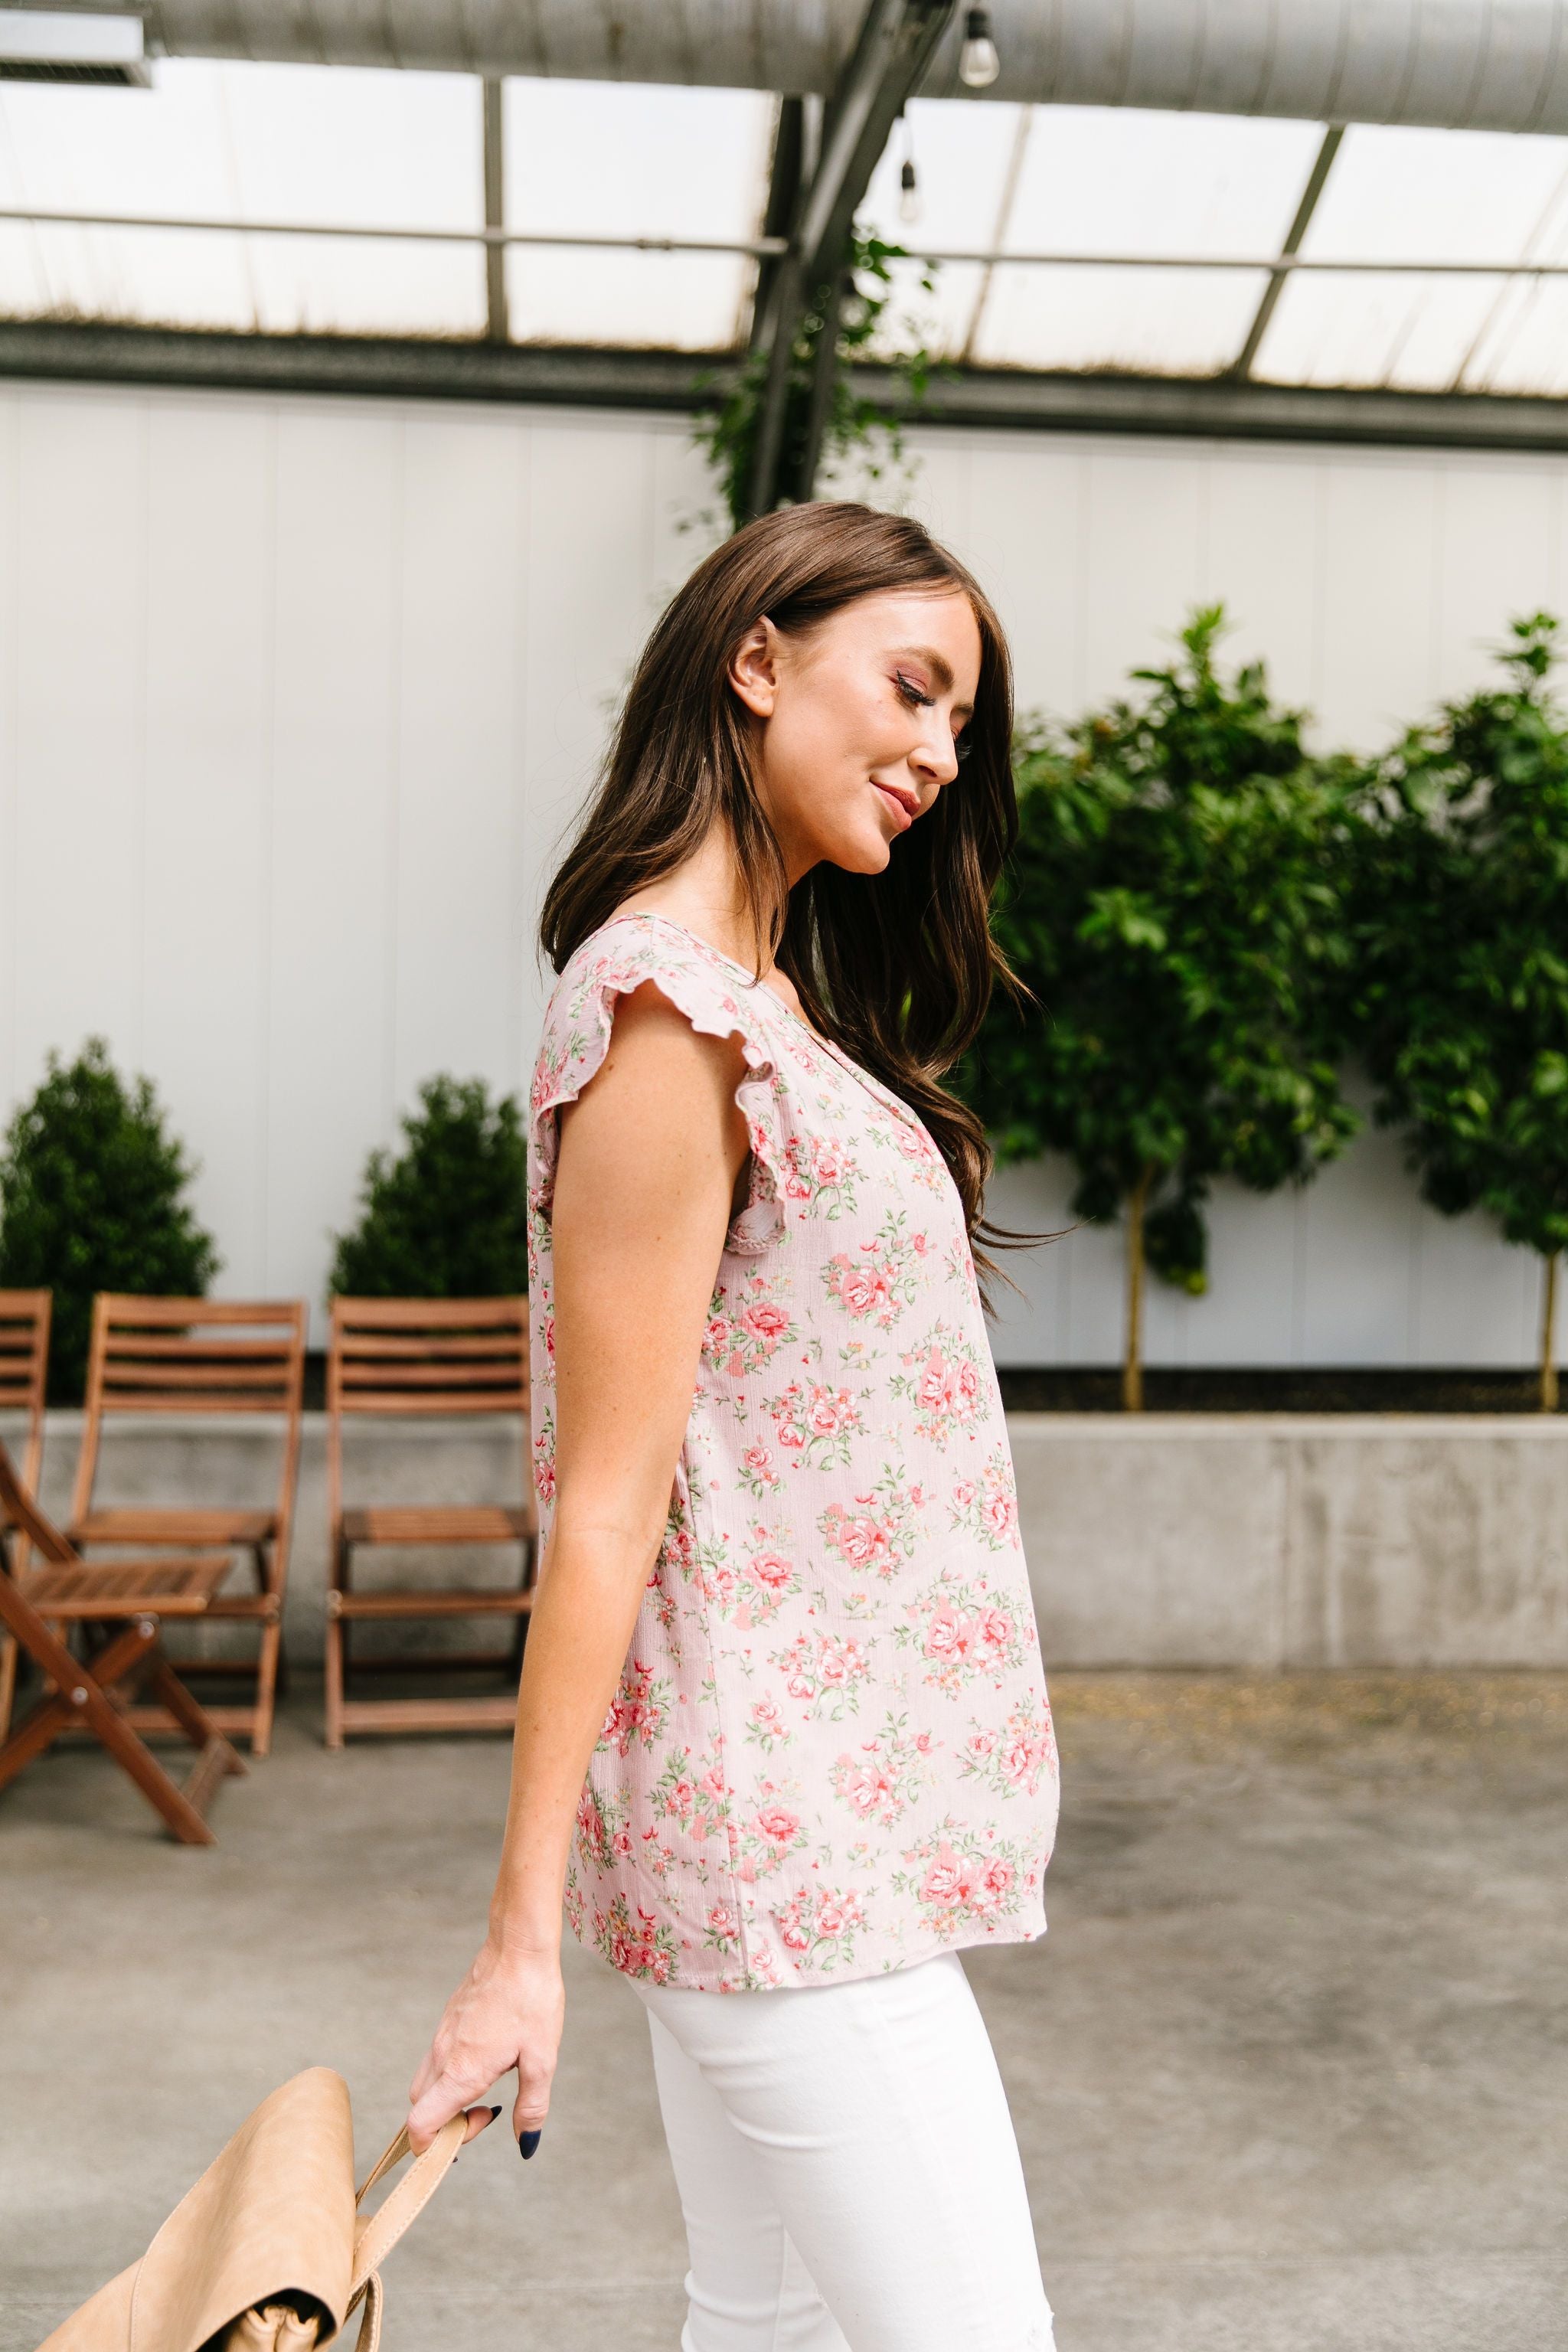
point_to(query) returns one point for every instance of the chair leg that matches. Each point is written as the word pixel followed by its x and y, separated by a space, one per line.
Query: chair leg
pixel 336 1645
pixel 263 1584
pixel 77 1697
pixel 190 1715
pixel 182 1818
pixel 82 1698
pixel 266 1687
pixel 7 1679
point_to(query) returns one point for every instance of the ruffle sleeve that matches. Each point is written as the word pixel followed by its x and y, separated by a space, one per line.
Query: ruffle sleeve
pixel 576 1037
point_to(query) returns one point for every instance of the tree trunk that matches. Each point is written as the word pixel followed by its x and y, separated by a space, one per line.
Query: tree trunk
pixel 1549 1335
pixel 1132 1354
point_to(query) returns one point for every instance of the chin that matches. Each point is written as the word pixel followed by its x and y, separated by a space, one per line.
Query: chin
pixel 861 856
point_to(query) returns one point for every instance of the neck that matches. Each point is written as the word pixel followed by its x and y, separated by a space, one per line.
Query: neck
pixel 705 894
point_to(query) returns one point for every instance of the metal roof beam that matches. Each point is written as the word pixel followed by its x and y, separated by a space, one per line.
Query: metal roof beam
pixel 682 383
pixel 1317 180
pixel 497 324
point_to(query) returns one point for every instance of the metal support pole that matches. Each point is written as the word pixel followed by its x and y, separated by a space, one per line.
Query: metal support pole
pixel 783 202
pixel 498 328
pixel 824 375
pixel 896 43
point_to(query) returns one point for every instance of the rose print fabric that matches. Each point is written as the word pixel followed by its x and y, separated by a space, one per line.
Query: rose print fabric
pixel 831 1751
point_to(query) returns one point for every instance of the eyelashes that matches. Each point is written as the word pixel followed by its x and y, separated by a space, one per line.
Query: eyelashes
pixel 912 694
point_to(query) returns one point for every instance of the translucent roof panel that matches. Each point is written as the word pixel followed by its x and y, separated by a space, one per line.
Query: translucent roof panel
pixel 249 142
pixel 1092 180
pixel 1104 180
pixel 1423 196
pixel 964 159
pixel 635 161
pixel 369 150
pixel 616 160
pixel 1435 195
pixel 173 276
pixel 670 301
pixel 961 156
pixel 254 147
pixel 1523 343
pixel 1412 333
pixel 1154 321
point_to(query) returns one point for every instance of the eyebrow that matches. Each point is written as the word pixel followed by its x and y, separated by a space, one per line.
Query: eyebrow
pixel 939 669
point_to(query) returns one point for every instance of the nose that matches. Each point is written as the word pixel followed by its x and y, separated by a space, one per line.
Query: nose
pixel 935 756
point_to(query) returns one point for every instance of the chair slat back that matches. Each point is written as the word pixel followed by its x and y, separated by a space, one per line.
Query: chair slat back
pixel 191 1356
pixel 428 1355
pixel 24 1368
pixel 422 1356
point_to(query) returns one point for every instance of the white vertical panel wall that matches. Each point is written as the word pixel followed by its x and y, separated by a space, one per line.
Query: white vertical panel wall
pixel 299 699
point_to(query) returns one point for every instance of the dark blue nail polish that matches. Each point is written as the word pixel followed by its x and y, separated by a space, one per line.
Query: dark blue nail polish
pixel 526 2142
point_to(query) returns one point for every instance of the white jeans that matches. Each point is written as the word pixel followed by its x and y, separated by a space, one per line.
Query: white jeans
pixel 847 2169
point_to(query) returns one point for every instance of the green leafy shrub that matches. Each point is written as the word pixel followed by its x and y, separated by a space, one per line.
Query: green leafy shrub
pixel 1462 931
pixel 448 1218
pixel 1177 905
pixel 90 1200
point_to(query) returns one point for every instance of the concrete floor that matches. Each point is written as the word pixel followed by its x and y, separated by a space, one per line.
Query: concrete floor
pixel 1290 2070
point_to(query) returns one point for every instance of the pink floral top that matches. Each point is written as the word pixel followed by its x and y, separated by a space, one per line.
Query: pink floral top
pixel 831 1750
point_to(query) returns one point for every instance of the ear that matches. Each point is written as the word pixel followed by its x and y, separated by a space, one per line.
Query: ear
pixel 753 668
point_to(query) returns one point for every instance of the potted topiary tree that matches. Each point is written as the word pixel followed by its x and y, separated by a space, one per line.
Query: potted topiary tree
pixel 1461 920
pixel 447 1218
pixel 91 1198
pixel 1175 906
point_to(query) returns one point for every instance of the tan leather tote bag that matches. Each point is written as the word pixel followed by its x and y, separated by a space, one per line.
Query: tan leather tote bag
pixel 269 2252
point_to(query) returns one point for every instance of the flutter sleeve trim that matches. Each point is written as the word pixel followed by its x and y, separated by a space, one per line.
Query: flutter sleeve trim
pixel 576 1038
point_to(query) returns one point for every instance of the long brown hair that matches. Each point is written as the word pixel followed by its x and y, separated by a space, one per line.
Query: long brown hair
pixel 897 967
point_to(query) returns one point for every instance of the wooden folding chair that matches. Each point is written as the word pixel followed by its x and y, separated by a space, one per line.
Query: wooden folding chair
pixel 92 1693
pixel 208 1356
pixel 453 1357
pixel 24 1368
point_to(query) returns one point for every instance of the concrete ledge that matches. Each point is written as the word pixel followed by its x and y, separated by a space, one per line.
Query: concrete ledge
pixel 1291 1541
pixel 1262 1541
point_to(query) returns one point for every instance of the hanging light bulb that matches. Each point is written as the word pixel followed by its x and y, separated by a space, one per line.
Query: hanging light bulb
pixel 978 63
pixel 908 192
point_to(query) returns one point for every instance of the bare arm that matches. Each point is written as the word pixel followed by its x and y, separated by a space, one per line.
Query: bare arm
pixel 650 1156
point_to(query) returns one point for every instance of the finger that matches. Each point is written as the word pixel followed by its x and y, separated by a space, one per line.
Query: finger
pixel 431 2068
pixel 530 2105
pixel 440 2102
pixel 480 2119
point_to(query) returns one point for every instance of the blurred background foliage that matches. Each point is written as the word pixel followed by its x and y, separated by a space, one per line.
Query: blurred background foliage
pixel 92 1189
pixel 447 1217
pixel 1459 899
pixel 1213 922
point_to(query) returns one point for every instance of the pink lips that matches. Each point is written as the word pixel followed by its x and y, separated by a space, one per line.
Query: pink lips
pixel 900 809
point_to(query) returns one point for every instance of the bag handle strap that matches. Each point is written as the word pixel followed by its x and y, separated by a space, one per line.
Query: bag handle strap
pixel 375 2235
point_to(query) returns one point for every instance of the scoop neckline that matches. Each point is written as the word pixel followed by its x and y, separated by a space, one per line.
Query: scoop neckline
pixel 646 914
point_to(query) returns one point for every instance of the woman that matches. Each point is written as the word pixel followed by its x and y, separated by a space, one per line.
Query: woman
pixel 783 1734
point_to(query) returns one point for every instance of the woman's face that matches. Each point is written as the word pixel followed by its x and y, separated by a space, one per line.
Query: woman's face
pixel 859 722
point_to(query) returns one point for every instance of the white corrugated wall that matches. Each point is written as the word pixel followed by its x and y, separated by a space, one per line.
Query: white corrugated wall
pixel 298 698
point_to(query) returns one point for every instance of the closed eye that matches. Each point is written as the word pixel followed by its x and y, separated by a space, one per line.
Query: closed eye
pixel 912 694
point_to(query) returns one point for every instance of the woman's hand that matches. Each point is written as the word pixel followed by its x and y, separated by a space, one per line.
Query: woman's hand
pixel 507 2013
